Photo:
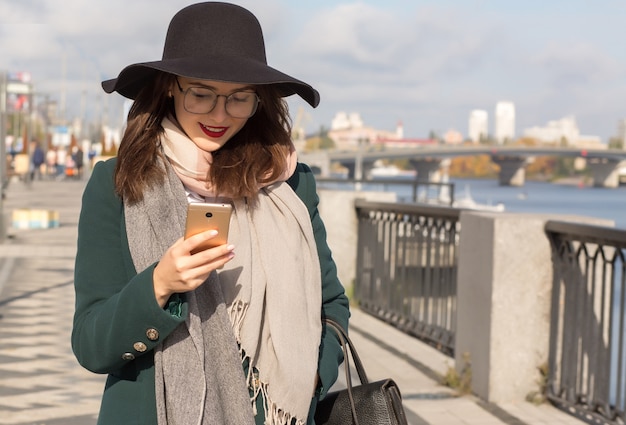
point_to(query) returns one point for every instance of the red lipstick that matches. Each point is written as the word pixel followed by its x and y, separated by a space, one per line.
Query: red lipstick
pixel 214 132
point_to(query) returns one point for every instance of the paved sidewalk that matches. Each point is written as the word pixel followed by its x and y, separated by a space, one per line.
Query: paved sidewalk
pixel 42 384
pixel 40 381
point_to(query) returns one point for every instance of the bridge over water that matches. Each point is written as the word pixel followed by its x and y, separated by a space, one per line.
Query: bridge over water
pixel 604 164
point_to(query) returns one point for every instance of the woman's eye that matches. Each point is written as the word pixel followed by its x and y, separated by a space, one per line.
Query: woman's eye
pixel 202 95
pixel 241 97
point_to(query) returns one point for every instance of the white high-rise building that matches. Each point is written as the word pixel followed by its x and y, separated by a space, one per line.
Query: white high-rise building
pixel 478 125
pixel 505 122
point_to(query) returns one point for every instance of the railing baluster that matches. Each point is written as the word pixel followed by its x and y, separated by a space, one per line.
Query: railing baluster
pixel 587 321
pixel 416 258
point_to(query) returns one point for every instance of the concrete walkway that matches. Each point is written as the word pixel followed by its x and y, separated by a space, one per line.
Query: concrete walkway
pixel 41 382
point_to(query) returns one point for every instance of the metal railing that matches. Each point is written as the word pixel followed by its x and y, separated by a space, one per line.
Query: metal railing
pixel 407 268
pixel 587 364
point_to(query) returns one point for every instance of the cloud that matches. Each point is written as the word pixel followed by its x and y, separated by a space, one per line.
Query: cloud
pixel 432 63
pixel 427 63
pixel 396 65
pixel 580 63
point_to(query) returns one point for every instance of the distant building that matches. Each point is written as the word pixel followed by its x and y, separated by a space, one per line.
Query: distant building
pixel 504 122
pixel 452 137
pixel 563 130
pixel 386 139
pixel 478 125
pixel 402 143
pixel 343 121
pixel 349 133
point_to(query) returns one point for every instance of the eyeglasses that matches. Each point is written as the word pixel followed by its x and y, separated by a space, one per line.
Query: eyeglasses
pixel 202 100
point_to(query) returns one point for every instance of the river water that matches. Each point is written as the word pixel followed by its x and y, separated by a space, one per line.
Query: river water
pixel 536 197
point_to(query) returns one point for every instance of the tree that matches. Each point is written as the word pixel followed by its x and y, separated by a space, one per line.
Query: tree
pixel 312 144
pixel 326 142
pixel 319 142
pixel 541 167
pixel 473 166
pixel 616 143
pixel 527 141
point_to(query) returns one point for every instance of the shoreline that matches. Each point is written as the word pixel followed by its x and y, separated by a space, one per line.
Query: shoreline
pixel 571 181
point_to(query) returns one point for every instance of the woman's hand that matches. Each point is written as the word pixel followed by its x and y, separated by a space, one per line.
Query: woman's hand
pixel 180 271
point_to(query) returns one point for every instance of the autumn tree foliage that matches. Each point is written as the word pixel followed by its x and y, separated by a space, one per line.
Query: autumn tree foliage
pixel 478 166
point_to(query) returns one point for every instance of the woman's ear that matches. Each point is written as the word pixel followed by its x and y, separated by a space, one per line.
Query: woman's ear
pixel 171 88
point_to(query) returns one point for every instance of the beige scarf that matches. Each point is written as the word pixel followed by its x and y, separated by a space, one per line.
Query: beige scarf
pixel 271 292
pixel 192 163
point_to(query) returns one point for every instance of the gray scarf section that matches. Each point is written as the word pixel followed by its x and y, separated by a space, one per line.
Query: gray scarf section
pixel 268 299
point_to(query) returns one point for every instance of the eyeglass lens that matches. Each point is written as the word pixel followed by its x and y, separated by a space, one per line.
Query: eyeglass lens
pixel 240 104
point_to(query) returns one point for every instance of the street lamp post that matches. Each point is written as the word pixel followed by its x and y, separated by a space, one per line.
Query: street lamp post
pixel 358 164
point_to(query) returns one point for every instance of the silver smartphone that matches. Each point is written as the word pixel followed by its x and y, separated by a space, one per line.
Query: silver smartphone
pixel 207 216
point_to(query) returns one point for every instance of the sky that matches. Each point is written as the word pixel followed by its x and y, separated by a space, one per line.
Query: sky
pixel 425 63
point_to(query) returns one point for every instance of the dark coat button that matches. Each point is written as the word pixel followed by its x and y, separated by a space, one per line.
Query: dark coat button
pixel 128 356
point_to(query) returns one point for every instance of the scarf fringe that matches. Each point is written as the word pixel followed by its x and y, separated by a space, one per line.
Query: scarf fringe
pixel 274 415
pixel 237 313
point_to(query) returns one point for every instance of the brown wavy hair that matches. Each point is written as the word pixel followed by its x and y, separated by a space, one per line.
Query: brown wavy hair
pixel 256 155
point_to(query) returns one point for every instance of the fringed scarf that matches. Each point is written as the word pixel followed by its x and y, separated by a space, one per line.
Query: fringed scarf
pixel 265 303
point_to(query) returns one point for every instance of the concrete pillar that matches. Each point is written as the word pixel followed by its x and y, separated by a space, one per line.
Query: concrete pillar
pixel 428 169
pixel 605 171
pixel 503 301
pixel 351 167
pixel 358 169
pixel 512 171
pixel 316 160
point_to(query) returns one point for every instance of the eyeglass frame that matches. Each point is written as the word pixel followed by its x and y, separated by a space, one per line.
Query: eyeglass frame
pixel 217 96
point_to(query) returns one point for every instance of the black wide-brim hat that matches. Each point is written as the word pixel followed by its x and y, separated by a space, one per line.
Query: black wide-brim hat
pixel 213 41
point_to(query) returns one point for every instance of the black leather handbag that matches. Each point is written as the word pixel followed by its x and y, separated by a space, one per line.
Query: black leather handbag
pixel 371 403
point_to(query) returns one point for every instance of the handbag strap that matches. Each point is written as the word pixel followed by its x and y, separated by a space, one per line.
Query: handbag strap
pixel 346 343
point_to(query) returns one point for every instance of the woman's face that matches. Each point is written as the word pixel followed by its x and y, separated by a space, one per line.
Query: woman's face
pixel 208 128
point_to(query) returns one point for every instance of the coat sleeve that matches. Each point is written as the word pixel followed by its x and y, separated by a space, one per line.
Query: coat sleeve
pixel 117 320
pixel 335 303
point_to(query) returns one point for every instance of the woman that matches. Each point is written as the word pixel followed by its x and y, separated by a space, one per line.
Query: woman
pixel 228 335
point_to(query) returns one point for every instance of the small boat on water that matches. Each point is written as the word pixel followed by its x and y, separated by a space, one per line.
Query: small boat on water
pixel 389 171
pixel 466 201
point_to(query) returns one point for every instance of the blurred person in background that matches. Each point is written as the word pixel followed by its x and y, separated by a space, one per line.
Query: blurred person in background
pixel 38 158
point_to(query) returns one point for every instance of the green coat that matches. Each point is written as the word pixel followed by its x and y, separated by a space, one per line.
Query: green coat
pixel 118 323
